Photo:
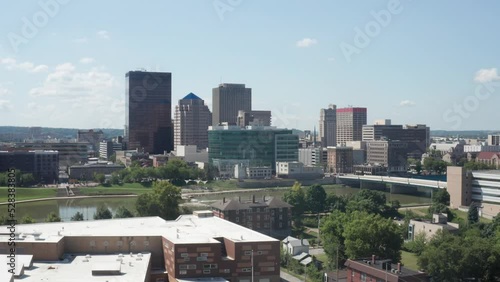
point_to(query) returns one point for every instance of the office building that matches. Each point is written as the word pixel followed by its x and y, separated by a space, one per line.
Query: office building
pixel 479 187
pixel 254 118
pixel 328 126
pixel 298 170
pixel 44 165
pixel 350 123
pixel 192 119
pixel 198 247
pixel 340 159
pixel 494 139
pixel 372 269
pixel 93 137
pixel 227 100
pixel 269 215
pixel 69 153
pixel 310 156
pixel 89 171
pixel 262 146
pixel 387 153
pixel 108 148
pixel 148 118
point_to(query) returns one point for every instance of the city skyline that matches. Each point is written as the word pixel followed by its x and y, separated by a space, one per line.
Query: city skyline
pixel 398 59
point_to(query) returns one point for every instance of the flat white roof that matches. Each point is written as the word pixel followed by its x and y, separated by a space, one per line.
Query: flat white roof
pixel 185 229
pixel 79 268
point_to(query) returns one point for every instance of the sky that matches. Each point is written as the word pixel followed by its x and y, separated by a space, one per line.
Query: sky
pixel 63 62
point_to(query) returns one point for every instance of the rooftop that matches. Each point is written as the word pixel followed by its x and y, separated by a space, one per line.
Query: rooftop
pixel 191 96
pixel 95 268
pixel 188 229
pixel 379 268
pixel 238 204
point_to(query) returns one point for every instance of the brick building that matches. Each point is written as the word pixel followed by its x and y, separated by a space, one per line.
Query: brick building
pixel 270 215
pixel 192 247
pixel 381 270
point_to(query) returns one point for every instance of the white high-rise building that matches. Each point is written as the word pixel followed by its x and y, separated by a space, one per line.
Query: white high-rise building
pixel 192 119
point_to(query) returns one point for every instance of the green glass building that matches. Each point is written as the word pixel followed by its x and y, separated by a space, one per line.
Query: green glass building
pixel 262 145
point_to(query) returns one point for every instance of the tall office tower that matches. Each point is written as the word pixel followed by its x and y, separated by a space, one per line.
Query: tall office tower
pixel 148 119
pixel 328 126
pixel 192 119
pixel 227 100
pixel 350 123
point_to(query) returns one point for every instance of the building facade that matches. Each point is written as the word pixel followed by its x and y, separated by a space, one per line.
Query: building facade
pixel 44 165
pixel 192 119
pixel 479 187
pixel 93 137
pixel 372 269
pixel 262 146
pixel 88 172
pixel 148 113
pixel 269 215
pixel 254 118
pixel 227 100
pixel 494 139
pixel 391 154
pixel 350 123
pixel 328 126
pixel 340 159
pixel 310 156
pixel 108 148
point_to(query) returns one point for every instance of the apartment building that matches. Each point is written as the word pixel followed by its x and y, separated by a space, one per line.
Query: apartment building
pixel 44 165
pixel 149 249
pixel 269 215
pixel 340 159
pixel 372 269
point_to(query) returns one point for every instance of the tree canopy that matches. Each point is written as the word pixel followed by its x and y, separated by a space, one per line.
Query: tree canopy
pixel 163 201
pixel 103 213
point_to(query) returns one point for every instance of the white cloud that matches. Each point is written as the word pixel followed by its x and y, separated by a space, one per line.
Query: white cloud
pixel 87 60
pixel 81 40
pixel 103 34
pixel 12 64
pixel 65 81
pixel 306 42
pixel 407 103
pixel 5 105
pixel 486 75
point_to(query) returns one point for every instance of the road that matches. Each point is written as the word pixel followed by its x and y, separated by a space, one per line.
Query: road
pixel 290 278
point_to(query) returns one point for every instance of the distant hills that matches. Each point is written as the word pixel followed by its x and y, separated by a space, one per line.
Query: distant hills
pixel 19 133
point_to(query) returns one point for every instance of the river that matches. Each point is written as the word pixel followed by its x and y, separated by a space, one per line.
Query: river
pixel 66 208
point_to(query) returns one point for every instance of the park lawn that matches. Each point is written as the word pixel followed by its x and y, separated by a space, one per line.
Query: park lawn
pixel 28 193
pixel 221 185
pixel 409 260
pixel 323 258
pixel 463 215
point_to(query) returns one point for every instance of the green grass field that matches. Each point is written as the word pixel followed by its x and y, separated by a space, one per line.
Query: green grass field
pixel 28 193
pixel 463 216
pixel 114 190
pixel 409 260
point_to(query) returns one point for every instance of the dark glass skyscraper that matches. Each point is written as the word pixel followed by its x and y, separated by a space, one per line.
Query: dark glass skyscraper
pixel 148 106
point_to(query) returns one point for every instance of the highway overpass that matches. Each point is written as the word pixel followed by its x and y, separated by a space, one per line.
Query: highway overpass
pixel 394 180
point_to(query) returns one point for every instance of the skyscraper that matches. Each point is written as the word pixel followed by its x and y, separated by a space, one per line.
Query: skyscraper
pixel 328 126
pixel 192 119
pixel 350 123
pixel 148 119
pixel 227 100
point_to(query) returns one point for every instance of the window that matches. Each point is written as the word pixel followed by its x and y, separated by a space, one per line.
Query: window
pixel 226 270
pixel 183 266
pixel 210 266
pixel 363 277
pixel 182 272
pixel 204 255
pixel 247 269
pixel 201 259
pixel 237 219
pixel 248 253
pixel 206 271
pixel 183 255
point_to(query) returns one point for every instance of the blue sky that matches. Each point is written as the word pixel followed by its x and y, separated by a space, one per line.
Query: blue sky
pixel 432 62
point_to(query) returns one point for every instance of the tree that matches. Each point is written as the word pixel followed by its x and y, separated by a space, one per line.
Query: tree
pixel 417 245
pixel 163 201
pixel 316 198
pixel 295 196
pixel 473 214
pixel 77 217
pixel 103 213
pixel 53 217
pixel 27 179
pixel 332 235
pixel 441 196
pixel 123 212
pixel 27 219
pixel 334 202
pixel 371 234
pixel 99 178
pixel 369 201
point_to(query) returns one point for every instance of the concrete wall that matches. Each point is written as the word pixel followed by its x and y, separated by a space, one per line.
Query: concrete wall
pixel 459 187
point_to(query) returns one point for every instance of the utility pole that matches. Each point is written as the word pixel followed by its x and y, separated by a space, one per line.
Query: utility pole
pixel 337 264
pixel 252 265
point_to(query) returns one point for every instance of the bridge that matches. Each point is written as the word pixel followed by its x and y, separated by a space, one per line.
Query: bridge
pixel 395 180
